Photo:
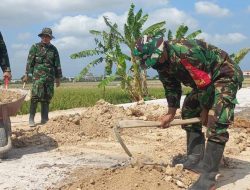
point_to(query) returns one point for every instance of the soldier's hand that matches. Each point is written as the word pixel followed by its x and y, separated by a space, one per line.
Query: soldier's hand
pixel 25 78
pixel 58 82
pixel 7 74
pixel 167 118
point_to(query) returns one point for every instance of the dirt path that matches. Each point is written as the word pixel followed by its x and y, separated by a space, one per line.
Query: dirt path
pixel 57 156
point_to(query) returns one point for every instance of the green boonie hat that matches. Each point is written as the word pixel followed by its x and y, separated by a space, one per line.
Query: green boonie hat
pixel 149 49
pixel 46 31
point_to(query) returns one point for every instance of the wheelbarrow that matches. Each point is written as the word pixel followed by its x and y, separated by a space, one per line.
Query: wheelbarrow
pixel 7 110
pixel 124 124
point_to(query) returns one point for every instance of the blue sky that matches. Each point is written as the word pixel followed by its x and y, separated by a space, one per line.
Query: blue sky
pixel 225 23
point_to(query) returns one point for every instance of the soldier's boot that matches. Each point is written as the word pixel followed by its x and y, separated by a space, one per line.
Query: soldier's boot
pixel 44 112
pixel 33 106
pixel 211 161
pixel 195 149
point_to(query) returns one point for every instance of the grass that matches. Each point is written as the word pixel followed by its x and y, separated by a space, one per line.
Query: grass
pixel 84 94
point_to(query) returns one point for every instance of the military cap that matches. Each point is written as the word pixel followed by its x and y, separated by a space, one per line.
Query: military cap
pixel 46 31
pixel 149 49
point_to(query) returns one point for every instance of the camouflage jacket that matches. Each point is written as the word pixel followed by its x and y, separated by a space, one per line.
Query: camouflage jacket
pixel 43 63
pixel 196 64
pixel 4 59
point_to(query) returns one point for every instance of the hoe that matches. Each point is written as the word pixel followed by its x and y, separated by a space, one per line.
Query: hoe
pixel 140 123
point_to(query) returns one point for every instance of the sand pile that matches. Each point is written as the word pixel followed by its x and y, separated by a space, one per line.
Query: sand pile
pixel 7 96
pixel 150 112
pixel 243 123
pixel 96 122
pixel 134 177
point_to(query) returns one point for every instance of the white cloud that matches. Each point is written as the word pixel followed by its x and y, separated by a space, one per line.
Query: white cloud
pixel 173 18
pixel 248 9
pixel 24 36
pixel 71 43
pixel 208 8
pixel 81 24
pixel 20 46
pixel 19 12
pixel 218 39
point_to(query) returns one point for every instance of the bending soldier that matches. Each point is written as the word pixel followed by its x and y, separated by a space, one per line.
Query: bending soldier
pixel 214 79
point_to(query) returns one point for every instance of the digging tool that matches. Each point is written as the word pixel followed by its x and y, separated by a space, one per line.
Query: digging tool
pixel 6 82
pixel 28 93
pixel 140 123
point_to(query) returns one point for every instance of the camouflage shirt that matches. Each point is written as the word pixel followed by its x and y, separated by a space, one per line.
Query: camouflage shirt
pixel 44 63
pixel 196 64
pixel 4 59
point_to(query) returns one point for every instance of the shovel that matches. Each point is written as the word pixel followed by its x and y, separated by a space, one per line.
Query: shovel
pixel 140 123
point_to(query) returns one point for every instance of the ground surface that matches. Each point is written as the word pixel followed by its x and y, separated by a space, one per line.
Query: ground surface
pixel 77 149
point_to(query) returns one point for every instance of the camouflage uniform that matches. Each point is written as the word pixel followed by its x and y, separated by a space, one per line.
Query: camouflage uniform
pixel 208 70
pixel 4 59
pixel 44 65
pixel 214 79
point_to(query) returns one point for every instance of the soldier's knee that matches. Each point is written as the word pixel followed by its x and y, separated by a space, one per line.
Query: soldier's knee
pixel 218 133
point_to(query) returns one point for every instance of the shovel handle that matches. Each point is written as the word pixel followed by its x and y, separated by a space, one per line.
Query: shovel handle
pixel 6 82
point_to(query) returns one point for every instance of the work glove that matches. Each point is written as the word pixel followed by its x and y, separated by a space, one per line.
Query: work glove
pixel 7 74
pixel 58 82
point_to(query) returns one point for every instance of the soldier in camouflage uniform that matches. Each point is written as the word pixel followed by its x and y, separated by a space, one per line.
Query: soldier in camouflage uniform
pixel 43 65
pixel 4 59
pixel 214 79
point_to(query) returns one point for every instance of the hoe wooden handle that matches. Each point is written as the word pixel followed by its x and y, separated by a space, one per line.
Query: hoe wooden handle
pixel 141 123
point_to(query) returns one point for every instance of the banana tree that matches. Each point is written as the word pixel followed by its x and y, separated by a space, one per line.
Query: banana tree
pixel 105 45
pixel 181 33
pixel 133 29
pixel 237 57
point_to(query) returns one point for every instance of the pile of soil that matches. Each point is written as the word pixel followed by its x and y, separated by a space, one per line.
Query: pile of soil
pixel 243 123
pixel 8 96
pixel 134 177
pixel 96 122
pixel 159 149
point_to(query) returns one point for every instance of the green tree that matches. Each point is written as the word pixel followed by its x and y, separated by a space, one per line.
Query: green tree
pixel 108 51
pixel 181 33
pixel 133 29
pixel 237 57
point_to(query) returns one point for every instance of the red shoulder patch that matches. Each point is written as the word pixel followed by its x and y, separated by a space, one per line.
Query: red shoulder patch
pixel 201 78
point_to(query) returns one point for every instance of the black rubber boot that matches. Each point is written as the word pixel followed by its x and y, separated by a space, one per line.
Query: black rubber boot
pixel 33 106
pixel 195 149
pixel 44 112
pixel 211 162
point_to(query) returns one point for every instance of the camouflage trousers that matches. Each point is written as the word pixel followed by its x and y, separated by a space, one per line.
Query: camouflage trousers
pixel 220 99
pixel 42 91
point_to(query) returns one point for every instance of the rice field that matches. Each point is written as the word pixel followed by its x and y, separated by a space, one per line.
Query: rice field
pixel 85 94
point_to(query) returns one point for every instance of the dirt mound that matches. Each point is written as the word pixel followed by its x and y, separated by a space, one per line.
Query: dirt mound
pixel 96 122
pixel 137 177
pixel 8 96
pixel 241 122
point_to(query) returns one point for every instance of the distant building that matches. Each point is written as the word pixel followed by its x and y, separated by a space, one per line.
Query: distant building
pixel 89 77
pixel 246 73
